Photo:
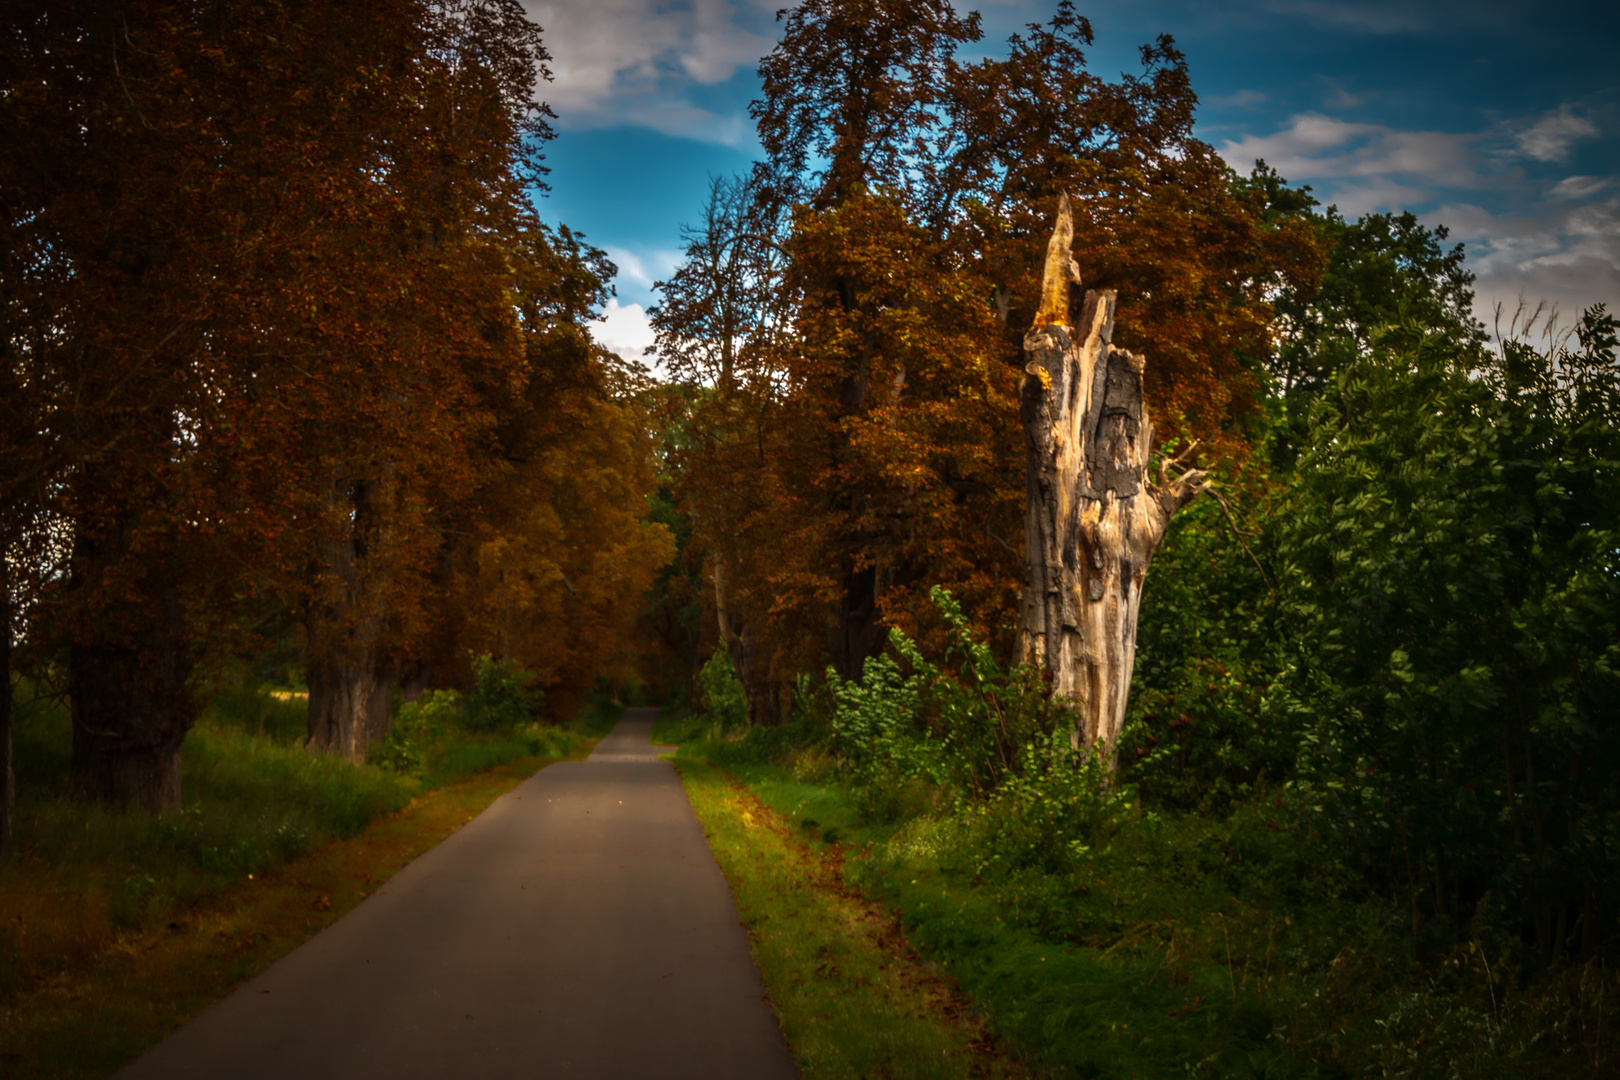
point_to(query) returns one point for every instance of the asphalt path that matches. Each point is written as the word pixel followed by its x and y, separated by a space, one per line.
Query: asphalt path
pixel 578 927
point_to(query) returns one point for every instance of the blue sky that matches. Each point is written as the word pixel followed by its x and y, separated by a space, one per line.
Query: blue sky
pixel 1500 120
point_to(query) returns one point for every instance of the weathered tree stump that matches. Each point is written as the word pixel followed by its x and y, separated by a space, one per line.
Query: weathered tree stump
pixel 1093 518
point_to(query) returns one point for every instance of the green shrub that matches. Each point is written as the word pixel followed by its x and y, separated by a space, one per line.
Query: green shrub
pixel 721 694
pixel 966 722
pixel 420 727
pixel 500 698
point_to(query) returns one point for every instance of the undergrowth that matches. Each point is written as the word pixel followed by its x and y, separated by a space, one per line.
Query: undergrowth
pixel 1108 936
pixel 253 798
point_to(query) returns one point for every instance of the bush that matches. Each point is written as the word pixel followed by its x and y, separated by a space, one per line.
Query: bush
pixel 500 698
pixel 1451 555
pixel 967 722
pixel 419 725
pixel 722 695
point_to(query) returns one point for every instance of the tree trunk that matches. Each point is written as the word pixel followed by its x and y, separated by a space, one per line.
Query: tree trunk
pixel 758 677
pixel 729 638
pixel 8 776
pixel 414 683
pixel 856 633
pixel 341 697
pixel 132 707
pixel 346 689
pixel 1093 520
pixel 755 672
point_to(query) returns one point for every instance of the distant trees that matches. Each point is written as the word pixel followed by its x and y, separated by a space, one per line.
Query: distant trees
pixel 260 350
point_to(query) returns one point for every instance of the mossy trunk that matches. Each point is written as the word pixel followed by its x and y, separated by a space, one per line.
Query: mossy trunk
pixel 132 706
pixel 349 708
pixel 1093 519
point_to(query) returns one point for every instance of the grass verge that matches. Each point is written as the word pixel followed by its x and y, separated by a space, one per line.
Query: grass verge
pixel 853 999
pixel 1173 945
pixel 116 927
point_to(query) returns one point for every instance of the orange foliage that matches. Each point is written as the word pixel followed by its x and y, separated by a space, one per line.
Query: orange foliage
pixel 869 445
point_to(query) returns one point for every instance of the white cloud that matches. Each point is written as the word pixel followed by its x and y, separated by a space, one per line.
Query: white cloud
pixel 632 61
pixel 1342 99
pixel 1552 137
pixel 1566 255
pixel 640 269
pixel 1376 164
pixel 624 329
pixel 1579 187
pixel 1545 240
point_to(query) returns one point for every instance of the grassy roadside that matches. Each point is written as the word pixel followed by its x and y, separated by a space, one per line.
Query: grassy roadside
pixel 853 999
pixel 1073 1012
pixel 1177 947
pixel 116 927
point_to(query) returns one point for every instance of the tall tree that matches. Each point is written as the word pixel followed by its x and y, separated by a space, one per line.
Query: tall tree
pixel 717 321
pixel 889 449
pixel 445 203
pixel 266 297
pixel 119 185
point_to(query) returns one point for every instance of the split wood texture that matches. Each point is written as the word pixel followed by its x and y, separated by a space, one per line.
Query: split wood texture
pixel 1093 518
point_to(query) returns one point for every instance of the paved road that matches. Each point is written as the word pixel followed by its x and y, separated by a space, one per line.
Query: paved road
pixel 579 927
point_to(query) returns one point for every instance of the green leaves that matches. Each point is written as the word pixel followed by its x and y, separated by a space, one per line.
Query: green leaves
pixel 1450 543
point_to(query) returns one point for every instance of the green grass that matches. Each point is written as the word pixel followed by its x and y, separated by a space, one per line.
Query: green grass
pixel 252 799
pixel 852 998
pixel 678 726
pixel 1173 945
pixel 118 924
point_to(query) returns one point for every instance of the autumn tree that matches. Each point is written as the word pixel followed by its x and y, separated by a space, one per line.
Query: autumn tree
pixel 264 315
pixel 549 566
pixel 445 197
pixel 921 189
pixel 715 325
pixel 128 233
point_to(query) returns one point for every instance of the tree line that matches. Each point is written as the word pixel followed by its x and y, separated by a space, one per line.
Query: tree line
pixel 1396 617
pixel 287 354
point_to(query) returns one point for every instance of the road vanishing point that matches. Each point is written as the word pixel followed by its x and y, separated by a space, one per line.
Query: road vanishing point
pixel 578 928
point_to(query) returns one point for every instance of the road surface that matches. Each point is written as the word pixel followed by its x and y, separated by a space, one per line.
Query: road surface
pixel 579 927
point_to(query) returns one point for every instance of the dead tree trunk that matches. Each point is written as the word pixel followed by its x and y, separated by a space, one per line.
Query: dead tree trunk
pixel 1093 519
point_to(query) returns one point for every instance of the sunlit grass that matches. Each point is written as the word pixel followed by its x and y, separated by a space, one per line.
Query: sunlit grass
pixel 853 999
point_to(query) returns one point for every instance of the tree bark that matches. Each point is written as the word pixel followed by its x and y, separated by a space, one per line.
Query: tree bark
pixel 341 698
pixel 8 775
pixel 729 638
pixel 1093 519
pixel 344 630
pixel 132 707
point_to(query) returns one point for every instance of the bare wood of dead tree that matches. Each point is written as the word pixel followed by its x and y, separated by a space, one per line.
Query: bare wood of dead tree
pixel 1093 518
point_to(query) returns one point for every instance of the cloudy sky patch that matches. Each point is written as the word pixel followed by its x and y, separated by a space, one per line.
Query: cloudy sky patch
pixel 1496 118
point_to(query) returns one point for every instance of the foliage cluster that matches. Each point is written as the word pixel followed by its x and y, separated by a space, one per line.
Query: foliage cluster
pixel 257 799
pixel 288 359
pixel 1108 932
pixel 1381 715
pixel 846 327
pixel 720 694
pixel 496 720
